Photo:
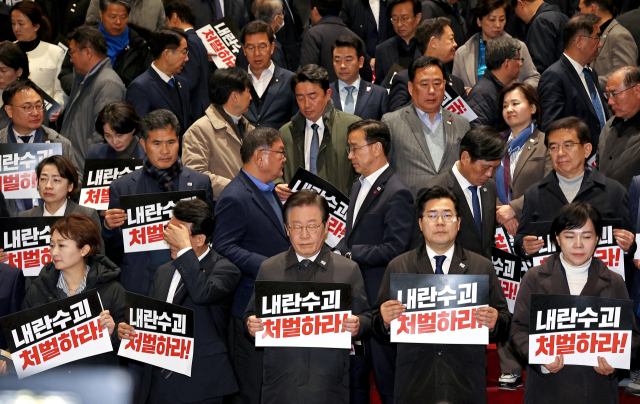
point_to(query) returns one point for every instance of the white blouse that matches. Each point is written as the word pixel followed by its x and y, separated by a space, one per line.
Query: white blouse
pixel 45 62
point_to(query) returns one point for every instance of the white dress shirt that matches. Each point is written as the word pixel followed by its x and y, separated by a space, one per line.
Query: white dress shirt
pixel 260 84
pixel 365 186
pixel 173 287
pixel 424 117
pixel 162 75
pixel 343 92
pixel 59 212
pixel 464 184
pixel 580 72
pixel 447 262
pixel 375 9
pixel 308 136
pixel 312 259
pixel 19 140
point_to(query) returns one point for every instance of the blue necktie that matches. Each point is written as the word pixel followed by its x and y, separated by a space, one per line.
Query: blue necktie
pixel 439 261
pixel 349 104
pixel 595 97
pixel 477 216
pixel 170 82
pixel 313 150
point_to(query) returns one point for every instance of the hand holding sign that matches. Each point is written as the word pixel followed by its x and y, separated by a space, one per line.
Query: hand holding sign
pixel 557 365
pixel 511 226
pixel 125 331
pixel 603 367
pixel 114 218
pixel 504 213
pixel 531 244
pixel 624 239
pixel 4 257
pixel 283 191
pixel 487 316
pixel 390 310
pixel 351 325
pixel 254 324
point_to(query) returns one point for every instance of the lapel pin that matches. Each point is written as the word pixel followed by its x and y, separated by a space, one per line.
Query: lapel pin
pixel 531 140
pixel 461 265
pixel 378 188
pixel 484 189
pixel 529 148
pixel 277 80
pixel 189 184
pixel 323 263
pixel 368 88
pixel 179 85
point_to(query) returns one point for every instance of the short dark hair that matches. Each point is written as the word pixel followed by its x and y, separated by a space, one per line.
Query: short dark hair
pixel 306 197
pixel 313 74
pixel 89 37
pixel 500 49
pixel 17 86
pixel 183 9
pixel 122 118
pixel 436 192
pixel 81 229
pixel 327 7
pixel 486 7
pixel 574 216
pixel 261 138
pixel 348 42
pixel 570 123
pixel 529 93
pixel 65 167
pixel 33 12
pixel 483 143
pixel 266 10
pixel 13 57
pixel 165 38
pixel 578 24
pixel 417 6
pixel 422 62
pixel 256 27
pixel 104 4
pixel 631 75
pixel 199 214
pixel 159 119
pixel 602 5
pixel 225 81
pixel 375 131
pixel 429 28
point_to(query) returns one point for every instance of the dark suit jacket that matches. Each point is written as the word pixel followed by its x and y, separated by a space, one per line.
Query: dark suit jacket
pixel 206 12
pixel 11 293
pixel 279 103
pixel 359 18
pixel 468 236
pixel 149 93
pixel 205 287
pixel 298 375
pixel 137 270
pixel 4 212
pixel 372 100
pixel 387 55
pixel 563 94
pixel 544 36
pixel 197 71
pixel 482 100
pixel 105 151
pixel 382 230
pixel 629 20
pixel 248 232
pixel 399 94
pixel 422 368
pixel 64 21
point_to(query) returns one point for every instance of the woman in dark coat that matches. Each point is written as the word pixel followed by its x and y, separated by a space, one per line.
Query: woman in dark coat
pixel 576 232
pixel 118 123
pixel 77 267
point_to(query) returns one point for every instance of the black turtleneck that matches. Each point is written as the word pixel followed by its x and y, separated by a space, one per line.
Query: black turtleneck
pixel 29 46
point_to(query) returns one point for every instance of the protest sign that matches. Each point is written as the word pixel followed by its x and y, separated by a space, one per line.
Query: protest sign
pixel 98 175
pixel 223 40
pixel 18 163
pixel 26 240
pixel 508 268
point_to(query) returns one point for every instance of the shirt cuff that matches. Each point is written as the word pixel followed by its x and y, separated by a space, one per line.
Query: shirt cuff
pixel 544 370
pixel 184 250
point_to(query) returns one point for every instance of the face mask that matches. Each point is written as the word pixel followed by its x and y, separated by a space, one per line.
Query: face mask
pixel 281 25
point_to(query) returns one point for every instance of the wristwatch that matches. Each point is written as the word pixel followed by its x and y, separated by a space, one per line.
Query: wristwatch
pixel 348 255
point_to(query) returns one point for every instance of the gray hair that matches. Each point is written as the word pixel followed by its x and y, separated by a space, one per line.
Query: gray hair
pixel 159 119
pixel 90 37
pixel 630 74
pixel 500 49
pixel 105 3
pixel 266 10
pixel 261 138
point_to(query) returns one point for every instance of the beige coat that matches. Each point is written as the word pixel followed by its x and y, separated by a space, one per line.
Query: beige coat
pixel 211 147
pixel 618 49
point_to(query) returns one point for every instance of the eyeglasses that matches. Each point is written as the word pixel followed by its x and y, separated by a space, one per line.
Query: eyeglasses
pixel 30 108
pixel 614 94
pixel 403 20
pixel 184 52
pixel 567 147
pixel 597 38
pixel 311 228
pixel 284 153
pixel 521 59
pixel 353 149
pixel 446 217
pixel 262 48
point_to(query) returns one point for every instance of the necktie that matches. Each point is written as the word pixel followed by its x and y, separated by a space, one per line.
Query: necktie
pixel 313 150
pixel 25 139
pixel 219 13
pixel 595 97
pixel 507 176
pixel 171 82
pixel 349 104
pixel 477 216
pixel 305 262
pixel 439 261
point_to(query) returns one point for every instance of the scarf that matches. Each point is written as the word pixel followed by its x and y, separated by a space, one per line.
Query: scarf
pixel 115 44
pixel 481 64
pixel 515 145
pixel 165 178
pixel 11 136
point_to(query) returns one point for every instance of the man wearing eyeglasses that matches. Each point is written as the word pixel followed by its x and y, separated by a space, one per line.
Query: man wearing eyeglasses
pixel 441 373
pixel 306 375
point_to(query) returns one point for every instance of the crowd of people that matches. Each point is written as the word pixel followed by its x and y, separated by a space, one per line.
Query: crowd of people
pixel 356 98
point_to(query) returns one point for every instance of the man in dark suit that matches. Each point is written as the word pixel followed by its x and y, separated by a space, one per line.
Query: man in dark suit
pixel 369 20
pixel 162 172
pixel 11 294
pixel 272 13
pixel 202 280
pixel 449 9
pixel 629 20
pixel 435 373
pixel 350 93
pixel 249 230
pixel 197 70
pixel 272 100
pixel 303 375
pixel 435 38
pixel 208 11
pixel 318 40
pixel 569 87
pixel 380 224
pixel 160 87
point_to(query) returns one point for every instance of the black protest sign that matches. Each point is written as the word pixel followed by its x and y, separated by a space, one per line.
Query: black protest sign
pixel 508 268
pixel 18 163
pixel 26 240
pixel 388 79
pixel 99 174
pixel 221 38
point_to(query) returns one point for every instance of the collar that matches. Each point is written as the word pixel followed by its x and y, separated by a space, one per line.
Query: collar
pixel 342 85
pixel 32 134
pixel 59 212
pixel 464 183
pixel 405 46
pixel 235 119
pixel 605 24
pixel 449 254
pixel 373 177
pixel 261 185
pixel 312 259
pixel 319 122
pixel 327 16
pixel 96 66
pixel 271 69
pixel 200 258
pixel 188 29
pixel 617 121
pixel 576 65
pixel 62 283
pixel 162 75
pixel 423 115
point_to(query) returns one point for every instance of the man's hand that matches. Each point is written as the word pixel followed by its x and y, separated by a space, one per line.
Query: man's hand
pixel 391 310
pixel 373 63
pixel 125 331
pixel 114 218
pixel 210 56
pixel 624 239
pixel 106 321
pixel 504 213
pixel 352 325
pixel 254 324
pixel 635 262
pixel 283 192
pixel 487 316
pixel 177 236
pixel 603 367
pixel 3 368
pixel 557 365
pixel 54 117
pixel 511 226
pixel 531 244
pixel 4 257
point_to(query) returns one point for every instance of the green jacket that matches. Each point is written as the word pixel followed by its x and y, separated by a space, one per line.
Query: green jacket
pixel 333 164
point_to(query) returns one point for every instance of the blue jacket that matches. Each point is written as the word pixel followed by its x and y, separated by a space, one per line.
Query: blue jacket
pixel 372 101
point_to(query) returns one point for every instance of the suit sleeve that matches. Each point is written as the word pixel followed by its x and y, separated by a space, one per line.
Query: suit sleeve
pixel 378 328
pixel 528 72
pixel 542 52
pixel 398 95
pixel 384 107
pixel 113 236
pixel 483 106
pixel 551 91
pixel 624 52
pixel 138 98
pixel 524 227
pixel 310 52
pixel 359 304
pixel 207 289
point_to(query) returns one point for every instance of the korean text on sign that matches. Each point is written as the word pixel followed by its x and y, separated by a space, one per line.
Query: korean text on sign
pixel 98 175
pixel 17 167
pixel 26 241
